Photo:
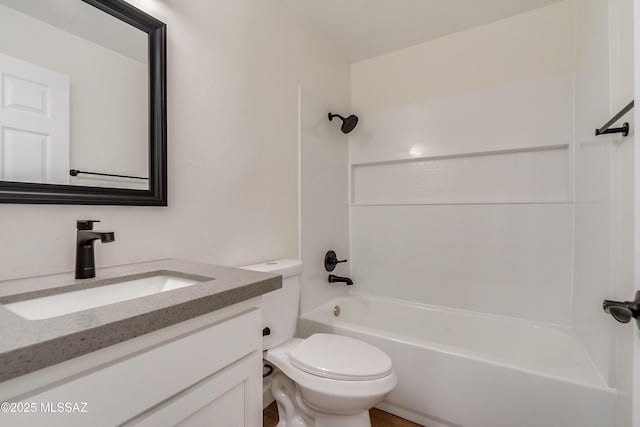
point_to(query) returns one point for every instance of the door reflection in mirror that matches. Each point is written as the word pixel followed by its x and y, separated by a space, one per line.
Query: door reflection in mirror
pixel 100 66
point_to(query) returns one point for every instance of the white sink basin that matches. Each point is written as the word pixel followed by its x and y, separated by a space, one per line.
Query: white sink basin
pixel 71 302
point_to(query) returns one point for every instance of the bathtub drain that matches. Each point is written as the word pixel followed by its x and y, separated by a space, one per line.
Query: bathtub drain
pixel 336 310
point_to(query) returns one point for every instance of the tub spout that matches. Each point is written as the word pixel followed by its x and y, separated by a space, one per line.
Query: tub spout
pixel 336 279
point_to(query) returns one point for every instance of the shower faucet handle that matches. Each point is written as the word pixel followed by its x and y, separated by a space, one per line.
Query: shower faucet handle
pixel 331 260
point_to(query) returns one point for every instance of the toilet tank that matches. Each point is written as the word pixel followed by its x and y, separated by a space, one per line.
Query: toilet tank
pixel 280 307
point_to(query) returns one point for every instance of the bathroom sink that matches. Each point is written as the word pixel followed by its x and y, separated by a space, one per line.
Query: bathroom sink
pixel 73 301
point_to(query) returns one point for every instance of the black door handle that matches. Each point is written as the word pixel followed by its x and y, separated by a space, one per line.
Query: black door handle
pixel 624 311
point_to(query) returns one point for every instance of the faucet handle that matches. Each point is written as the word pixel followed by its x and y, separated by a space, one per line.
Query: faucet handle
pixel 86 224
pixel 331 260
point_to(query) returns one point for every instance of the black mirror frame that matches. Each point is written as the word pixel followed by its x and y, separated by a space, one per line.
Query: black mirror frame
pixel 156 195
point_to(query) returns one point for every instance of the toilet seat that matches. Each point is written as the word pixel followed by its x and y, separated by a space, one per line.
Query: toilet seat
pixel 339 357
pixel 279 356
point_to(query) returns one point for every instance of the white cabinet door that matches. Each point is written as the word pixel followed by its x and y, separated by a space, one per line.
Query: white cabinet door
pixel 231 398
pixel 34 123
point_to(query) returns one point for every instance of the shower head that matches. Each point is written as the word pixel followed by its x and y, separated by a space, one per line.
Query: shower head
pixel 348 124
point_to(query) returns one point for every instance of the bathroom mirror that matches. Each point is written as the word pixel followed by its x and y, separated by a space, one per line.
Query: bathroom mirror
pixel 82 103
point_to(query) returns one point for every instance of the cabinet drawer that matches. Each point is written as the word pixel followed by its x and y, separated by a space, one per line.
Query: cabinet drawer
pixel 120 391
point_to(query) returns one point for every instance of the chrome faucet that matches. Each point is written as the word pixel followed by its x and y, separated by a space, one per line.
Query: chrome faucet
pixel 85 238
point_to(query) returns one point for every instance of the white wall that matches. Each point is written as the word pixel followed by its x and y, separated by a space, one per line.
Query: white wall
pixel 604 216
pixel 234 68
pixel 461 170
pixel 530 46
pixel 634 381
pixel 323 195
pixel 593 269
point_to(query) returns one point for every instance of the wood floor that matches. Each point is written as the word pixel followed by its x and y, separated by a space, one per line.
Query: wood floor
pixel 378 418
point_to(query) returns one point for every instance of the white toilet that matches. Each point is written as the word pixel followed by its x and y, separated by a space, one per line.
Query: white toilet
pixel 327 380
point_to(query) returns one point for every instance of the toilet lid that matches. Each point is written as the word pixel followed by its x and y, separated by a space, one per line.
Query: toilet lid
pixel 340 358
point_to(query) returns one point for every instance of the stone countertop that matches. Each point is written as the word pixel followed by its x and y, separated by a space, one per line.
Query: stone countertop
pixel 29 345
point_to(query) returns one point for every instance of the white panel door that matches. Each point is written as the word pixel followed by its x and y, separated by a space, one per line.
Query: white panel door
pixel 34 123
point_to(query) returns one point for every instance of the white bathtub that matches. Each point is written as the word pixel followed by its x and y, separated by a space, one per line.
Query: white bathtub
pixel 460 368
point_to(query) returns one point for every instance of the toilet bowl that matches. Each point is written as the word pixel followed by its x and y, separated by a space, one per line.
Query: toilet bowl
pixel 332 389
pixel 325 380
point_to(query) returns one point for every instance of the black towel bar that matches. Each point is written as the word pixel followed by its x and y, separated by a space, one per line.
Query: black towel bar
pixel 76 172
pixel 624 129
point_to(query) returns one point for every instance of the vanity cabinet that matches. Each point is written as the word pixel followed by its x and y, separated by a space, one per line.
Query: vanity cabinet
pixel 202 372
